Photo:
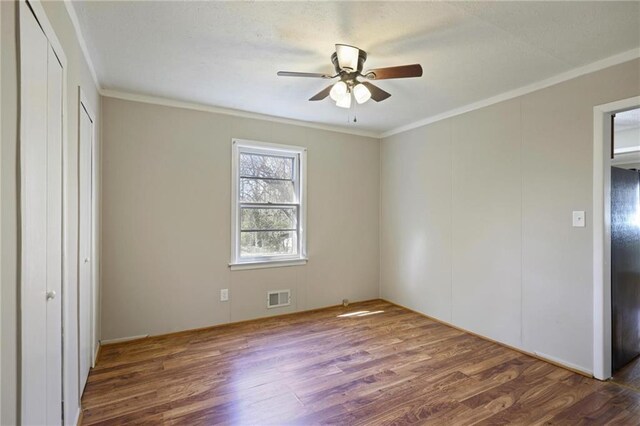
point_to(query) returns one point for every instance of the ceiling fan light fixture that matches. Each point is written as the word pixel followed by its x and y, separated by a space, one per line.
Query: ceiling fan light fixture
pixel 348 62
pixel 344 101
pixel 347 57
pixel 338 90
pixel 361 93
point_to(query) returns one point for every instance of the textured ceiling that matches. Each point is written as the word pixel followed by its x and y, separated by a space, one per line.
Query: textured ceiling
pixel 226 54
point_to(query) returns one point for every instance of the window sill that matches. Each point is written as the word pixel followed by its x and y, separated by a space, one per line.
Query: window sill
pixel 267 264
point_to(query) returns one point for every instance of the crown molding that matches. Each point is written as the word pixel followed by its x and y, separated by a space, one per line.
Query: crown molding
pixel 68 4
pixel 565 76
pixel 530 88
pixel 155 100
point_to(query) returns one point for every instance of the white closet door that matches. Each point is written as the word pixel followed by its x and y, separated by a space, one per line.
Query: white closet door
pixel 33 56
pixel 54 239
pixel 85 295
pixel 41 226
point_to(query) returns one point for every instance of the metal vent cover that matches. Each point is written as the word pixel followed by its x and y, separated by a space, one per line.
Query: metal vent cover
pixel 278 298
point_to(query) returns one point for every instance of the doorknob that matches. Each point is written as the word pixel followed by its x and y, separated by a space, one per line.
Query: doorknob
pixel 51 295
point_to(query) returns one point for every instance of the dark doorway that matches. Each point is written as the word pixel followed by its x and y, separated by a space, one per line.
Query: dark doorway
pixel 625 247
pixel 625 265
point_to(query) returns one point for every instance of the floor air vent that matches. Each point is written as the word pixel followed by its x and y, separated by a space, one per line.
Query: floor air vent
pixel 278 298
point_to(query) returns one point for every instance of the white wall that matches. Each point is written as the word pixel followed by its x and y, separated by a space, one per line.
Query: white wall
pixel 628 160
pixel 166 211
pixel 9 287
pixel 629 138
pixel 476 217
pixel 78 74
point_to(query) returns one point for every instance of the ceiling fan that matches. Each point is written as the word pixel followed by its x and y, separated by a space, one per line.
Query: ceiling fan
pixel 348 62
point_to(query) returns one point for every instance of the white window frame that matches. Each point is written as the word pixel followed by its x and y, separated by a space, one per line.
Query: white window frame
pixel 243 145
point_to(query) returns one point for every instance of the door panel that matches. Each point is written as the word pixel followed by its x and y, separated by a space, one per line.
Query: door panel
pixel 625 265
pixel 33 155
pixel 41 225
pixel 54 236
pixel 85 295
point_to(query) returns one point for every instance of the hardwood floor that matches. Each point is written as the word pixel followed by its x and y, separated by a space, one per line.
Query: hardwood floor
pixel 629 375
pixel 385 365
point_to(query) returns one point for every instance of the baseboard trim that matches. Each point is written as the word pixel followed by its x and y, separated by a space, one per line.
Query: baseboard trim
pixel 565 364
pixel 542 357
pixel 95 360
pixel 122 339
pixel 133 339
pixel 79 416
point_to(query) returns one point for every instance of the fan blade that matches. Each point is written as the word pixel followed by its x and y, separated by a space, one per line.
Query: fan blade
pixel 322 94
pixel 377 94
pixel 303 74
pixel 403 71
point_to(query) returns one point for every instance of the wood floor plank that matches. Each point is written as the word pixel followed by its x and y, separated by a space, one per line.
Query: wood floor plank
pixel 629 375
pixel 369 363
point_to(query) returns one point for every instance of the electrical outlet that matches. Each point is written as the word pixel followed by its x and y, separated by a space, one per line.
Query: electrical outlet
pixel 224 294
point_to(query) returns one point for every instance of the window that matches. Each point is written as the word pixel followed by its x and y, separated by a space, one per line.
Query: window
pixel 268 204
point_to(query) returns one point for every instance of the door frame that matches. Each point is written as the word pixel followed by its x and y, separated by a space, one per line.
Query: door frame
pixel 35 7
pixel 83 103
pixel 602 321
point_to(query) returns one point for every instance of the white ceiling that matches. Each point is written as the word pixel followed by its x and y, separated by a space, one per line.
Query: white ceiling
pixel 226 54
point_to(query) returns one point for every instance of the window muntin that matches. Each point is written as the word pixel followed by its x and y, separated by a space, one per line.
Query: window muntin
pixel 268 202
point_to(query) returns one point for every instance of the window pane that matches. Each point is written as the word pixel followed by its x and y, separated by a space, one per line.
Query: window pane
pixel 268 218
pixel 253 244
pixel 266 191
pixel 266 166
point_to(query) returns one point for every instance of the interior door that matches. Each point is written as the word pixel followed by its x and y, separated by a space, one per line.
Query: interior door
pixel 625 265
pixel 54 237
pixel 85 295
pixel 41 225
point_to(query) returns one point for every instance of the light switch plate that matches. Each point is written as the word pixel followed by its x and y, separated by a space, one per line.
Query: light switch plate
pixel 578 219
pixel 224 295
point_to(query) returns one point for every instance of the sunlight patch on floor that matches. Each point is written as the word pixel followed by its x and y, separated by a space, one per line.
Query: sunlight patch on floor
pixel 359 314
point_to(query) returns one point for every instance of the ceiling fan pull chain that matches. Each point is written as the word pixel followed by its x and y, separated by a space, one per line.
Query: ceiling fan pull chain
pixel 355 116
